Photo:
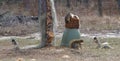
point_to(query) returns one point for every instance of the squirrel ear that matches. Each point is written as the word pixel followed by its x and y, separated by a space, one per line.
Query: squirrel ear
pixel 67 18
pixel 76 17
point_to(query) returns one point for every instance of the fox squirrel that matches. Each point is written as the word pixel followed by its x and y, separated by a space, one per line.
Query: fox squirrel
pixel 76 44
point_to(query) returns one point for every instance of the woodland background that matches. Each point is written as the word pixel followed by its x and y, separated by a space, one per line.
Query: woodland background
pixel 20 17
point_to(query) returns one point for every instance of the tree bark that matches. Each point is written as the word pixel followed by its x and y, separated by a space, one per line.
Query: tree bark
pixel 68 3
pixel 100 7
pixel 46 22
pixel 80 1
pixel 86 3
pixel 118 3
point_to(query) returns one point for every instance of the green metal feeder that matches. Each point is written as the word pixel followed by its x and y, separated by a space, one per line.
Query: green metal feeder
pixel 71 31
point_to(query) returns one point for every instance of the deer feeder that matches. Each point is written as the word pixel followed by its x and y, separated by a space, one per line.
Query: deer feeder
pixel 71 31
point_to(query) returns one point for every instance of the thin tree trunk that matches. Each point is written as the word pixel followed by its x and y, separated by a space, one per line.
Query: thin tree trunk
pixel 68 3
pixel 100 7
pixel 86 3
pixel 76 3
pixel 80 1
pixel 118 3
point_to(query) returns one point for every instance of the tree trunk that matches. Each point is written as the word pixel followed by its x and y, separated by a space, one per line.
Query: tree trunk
pixel 68 3
pixel 100 7
pixel 118 3
pixel 86 3
pixel 76 3
pixel 80 1
pixel 46 22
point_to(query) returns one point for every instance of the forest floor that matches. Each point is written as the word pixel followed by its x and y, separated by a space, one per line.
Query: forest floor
pixel 88 53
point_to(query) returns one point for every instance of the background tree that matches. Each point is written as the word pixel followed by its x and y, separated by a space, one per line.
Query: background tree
pixel 68 3
pixel 86 3
pixel 118 3
pixel 80 1
pixel 100 7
